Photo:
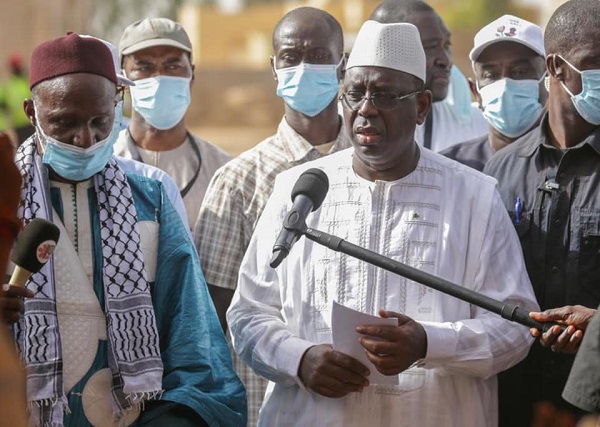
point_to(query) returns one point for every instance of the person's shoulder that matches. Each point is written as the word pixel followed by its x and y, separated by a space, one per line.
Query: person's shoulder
pixel 120 146
pixel 512 153
pixel 141 177
pixel 246 165
pixel 142 183
pixel 478 124
pixel 147 194
pixel 139 168
pixel 212 151
pixel 469 145
pixel 149 172
pixel 329 163
pixel 254 155
pixel 453 170
pixel 270 150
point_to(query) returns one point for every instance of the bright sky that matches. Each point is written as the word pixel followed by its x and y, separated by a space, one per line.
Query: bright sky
pixel 230 6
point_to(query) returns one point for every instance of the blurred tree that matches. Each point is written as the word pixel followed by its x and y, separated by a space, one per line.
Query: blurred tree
pixel 472 14
pixel 110 17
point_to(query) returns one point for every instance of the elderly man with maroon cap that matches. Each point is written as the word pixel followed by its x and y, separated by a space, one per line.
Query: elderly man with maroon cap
pixel 105 335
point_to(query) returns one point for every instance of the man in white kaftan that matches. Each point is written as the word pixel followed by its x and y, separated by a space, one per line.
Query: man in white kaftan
pixel 433 214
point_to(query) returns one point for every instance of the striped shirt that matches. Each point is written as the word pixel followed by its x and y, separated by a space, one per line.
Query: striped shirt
pixel 237 195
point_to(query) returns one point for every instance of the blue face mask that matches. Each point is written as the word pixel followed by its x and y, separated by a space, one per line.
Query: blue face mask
pixel 511 106
pixel 76 163
pixel 162 101
pixel 308 88
pixel 587 103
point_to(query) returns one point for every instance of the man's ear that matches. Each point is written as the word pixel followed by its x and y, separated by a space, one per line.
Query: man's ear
pixel 30 111
pixel 474 92
pixel 555 65
pixel 424 100
pixel 193 75
pixel 342 69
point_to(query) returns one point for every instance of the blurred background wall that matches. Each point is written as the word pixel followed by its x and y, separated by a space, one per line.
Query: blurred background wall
pixel 234 103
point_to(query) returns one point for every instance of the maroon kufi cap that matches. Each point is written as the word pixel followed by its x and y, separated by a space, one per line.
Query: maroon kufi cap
pixel 71 54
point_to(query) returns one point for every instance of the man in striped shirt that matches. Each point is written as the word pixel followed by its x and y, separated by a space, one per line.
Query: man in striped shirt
pixel 308 48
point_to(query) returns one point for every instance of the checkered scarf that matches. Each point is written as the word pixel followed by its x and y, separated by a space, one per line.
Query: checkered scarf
pixel 133 343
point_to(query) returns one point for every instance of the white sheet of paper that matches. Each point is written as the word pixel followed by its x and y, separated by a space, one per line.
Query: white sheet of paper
pixel 344 321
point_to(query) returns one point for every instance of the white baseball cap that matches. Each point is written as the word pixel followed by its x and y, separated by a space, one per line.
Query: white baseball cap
pixel 395 46
pixel 509 28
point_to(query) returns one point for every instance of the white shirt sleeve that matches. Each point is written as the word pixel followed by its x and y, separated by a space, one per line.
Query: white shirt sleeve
pixel 487 344
pixel 259 334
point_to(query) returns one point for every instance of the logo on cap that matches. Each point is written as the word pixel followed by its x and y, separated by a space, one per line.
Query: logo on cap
pixel 500 31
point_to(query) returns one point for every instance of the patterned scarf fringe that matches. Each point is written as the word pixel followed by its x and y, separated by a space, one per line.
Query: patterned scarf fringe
pixel 139 399
pixel 33 404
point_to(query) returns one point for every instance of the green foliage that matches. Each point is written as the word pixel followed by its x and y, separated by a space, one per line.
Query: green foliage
pixel 110 17
pixel 472 14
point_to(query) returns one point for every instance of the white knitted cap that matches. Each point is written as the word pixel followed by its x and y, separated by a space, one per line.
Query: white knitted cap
pixel 509 28
pixel 395 46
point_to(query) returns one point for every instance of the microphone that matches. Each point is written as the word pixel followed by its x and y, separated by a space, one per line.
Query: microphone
pixel 307 195
pixel 33 249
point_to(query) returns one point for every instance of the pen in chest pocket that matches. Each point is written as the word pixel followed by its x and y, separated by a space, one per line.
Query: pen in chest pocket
pixel 518 210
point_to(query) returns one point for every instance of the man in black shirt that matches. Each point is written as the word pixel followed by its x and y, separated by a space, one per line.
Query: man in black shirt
pixel 549 182
pixel 508 59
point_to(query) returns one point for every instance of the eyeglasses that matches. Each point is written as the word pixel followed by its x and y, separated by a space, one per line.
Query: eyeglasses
pixel 381 100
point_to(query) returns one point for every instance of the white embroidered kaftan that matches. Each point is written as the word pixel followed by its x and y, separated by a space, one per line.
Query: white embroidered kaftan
pixel 443 218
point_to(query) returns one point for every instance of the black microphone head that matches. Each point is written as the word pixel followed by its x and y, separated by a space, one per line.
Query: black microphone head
pixel 35 244
pixel 313 184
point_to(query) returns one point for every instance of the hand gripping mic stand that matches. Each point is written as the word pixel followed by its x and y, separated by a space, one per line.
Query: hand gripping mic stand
pixel 506 310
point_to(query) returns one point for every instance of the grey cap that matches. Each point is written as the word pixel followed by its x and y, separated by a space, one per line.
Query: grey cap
pixel 152 32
